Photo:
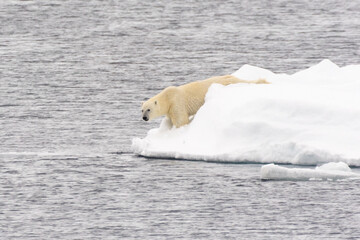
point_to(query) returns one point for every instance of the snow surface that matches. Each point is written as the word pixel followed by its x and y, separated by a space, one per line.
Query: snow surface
pixel 310 117
pixel 328 171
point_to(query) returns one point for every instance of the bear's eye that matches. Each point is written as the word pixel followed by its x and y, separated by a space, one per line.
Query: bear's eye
pixel 148 110
pixel 142 110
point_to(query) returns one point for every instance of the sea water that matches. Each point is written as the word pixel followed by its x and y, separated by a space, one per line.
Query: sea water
pixel 73 75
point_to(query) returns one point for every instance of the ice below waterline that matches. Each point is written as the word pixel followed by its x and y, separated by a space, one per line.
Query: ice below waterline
pixel 310 117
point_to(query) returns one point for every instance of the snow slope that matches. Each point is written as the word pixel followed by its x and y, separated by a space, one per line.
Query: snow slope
pixel 310 117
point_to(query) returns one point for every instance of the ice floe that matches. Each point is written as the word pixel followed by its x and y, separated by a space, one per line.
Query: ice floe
pixel 328 171
pixel 310 117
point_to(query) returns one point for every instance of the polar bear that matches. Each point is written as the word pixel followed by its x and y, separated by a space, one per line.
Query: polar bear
pixel 179 103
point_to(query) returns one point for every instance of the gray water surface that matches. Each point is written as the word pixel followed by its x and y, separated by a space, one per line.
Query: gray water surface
pixel 72 78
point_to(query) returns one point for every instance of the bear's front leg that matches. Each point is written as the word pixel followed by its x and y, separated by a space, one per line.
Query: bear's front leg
pixel 166 123
pixel 179 117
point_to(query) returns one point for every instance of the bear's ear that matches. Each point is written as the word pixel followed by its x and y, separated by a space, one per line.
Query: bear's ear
pixel 155 102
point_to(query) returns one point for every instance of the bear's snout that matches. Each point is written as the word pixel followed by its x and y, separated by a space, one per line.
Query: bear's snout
pixel 145 118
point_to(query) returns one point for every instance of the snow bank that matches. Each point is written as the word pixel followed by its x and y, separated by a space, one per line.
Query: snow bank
pixel 328 171
pixel 310 117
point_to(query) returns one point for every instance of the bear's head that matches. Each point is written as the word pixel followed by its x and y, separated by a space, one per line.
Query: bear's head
pixel 158 105
pixel 150 110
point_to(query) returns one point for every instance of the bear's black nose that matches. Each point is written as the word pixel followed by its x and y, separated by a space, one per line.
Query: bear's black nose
pixel 145 118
